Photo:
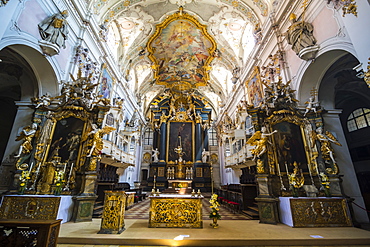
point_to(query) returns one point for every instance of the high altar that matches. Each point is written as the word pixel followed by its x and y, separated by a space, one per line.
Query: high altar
pixel 180 117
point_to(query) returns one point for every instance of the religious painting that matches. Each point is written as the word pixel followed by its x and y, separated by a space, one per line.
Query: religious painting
pixel 290 145
pixel 181 48
pixel 254 88
pixel 106 84
pixel 180 134
pixel 66 140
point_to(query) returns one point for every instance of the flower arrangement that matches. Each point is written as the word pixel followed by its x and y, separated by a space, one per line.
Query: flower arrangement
pixel 214 207
pixel 325 183
pixel 59 182
pixel 25 176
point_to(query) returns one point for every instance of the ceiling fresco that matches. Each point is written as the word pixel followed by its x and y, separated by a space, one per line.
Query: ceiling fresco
pixel 181 50
pixel 199 52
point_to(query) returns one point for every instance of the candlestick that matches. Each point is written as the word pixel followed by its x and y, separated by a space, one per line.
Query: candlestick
pixel 70 172
pixel 31 167
pixel 286 167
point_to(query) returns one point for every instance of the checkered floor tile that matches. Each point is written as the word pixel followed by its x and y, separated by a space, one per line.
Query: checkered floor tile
pixel 141 211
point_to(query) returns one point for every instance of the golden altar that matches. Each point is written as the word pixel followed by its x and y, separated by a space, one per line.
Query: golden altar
pixel 173 210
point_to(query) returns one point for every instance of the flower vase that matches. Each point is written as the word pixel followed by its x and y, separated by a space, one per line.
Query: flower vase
pixel 214 223
pixel 58 190
pixel 21 190
pixel 327 192
pixel 295 191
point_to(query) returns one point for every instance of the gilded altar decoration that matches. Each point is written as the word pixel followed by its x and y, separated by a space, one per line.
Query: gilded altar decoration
pixel 348 6
pixel 175 211
pixel 214 214
pixel 29 207
pixel 114 212
pixel 367 74
pixel 320 212
pixel 296 179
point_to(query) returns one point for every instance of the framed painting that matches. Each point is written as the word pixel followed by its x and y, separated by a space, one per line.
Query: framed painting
pixel 180 133
pixel 290 145
pixel 255 88
pixel 66 140
pixel 106 83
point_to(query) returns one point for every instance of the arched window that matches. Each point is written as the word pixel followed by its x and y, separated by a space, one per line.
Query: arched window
pixel 358 119
pixel 212 138
pixel 148 137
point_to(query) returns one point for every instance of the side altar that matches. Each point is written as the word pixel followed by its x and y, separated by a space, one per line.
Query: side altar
pixel 177 211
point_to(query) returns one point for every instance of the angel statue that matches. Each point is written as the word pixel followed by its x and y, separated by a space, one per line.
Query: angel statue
pixel 96 139
pixel 26 135
pixel 260 140
pixel 325 140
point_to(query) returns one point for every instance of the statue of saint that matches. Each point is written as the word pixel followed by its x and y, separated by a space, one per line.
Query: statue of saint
pixel 300 34
pixel 204 156
pixel 54 29
pixel 155 155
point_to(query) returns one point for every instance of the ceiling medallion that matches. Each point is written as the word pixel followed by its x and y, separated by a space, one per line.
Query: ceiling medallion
pixel 234 26
pixel 127 25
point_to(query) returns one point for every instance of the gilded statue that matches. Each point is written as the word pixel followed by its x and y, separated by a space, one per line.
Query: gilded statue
pixel 300 34
pixel 26 135
pixel 260 140
pixel 96 141
pixel 325 140
pixel 54 29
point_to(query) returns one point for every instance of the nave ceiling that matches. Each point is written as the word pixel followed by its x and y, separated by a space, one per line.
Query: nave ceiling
pixel 219 47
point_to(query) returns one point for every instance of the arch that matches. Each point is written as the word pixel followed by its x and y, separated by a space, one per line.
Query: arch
pixel 311 72
pixel 30 75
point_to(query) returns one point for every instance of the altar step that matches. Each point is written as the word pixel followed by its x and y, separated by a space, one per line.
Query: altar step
pixel 251 212
pixel 98 209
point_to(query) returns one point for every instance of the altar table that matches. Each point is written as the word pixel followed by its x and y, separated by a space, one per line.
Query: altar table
pixel 173 210
pixel 314 211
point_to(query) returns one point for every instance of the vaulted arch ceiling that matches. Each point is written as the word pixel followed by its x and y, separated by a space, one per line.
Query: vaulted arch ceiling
pixel 133 22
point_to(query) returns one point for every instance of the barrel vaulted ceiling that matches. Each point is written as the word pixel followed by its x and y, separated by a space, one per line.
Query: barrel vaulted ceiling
pixel 230 24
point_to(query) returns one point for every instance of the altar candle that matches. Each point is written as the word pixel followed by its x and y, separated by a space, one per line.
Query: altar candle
pixel 65 166
pixel 31 166
pixel 38 168
pixel 70 172
pixel 286 167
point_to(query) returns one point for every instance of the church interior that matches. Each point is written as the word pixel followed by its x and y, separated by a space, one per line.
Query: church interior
pixel 184 123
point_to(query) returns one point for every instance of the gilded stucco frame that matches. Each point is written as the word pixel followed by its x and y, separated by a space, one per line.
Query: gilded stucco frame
pixel 305 131
pixel 181 15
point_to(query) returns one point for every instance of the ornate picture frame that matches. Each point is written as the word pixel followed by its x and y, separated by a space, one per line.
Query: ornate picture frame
pixel 254 87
